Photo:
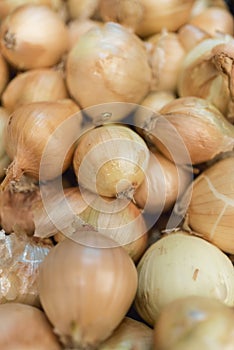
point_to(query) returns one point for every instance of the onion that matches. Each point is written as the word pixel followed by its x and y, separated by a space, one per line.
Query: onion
pixel 26 44
pixel 4 74
pixel 86 288
pixel 33 86
pixel 190 35
pixel 180 265
pixel 195 322
pixel 110 160
pixel 204 131
pixel 20 258
pixel 166 55
pixel 130 334
pixel 78 27
pixel 16 318
pixel 76 209
pixel 164 183
pixel 214 20
pixel 82 9
pixel 4 159
pixel 211 209
pixel 40 139
pixel 108 64
pixel 147 17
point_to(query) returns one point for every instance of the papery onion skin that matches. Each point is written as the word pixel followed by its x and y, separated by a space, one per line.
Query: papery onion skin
pixel 95 62
pixel 195 323
pixel 204 130
pixel 34 86
pixel 4 159
pixel 87 288
pixel 107 169
pixel 211 209
pixel 26 44
pixel 27 133
pixel 130 334
pixel 180 265
pixel 4 74
pixel 190 35
pixel 77 28
pixel 17 318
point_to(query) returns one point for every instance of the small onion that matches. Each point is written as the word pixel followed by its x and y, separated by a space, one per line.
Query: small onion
pixel 4 74
pixel 203 130
pixel 214 20
pixel 28 44
pixel 110 160
pixel 130 334
pixel 4 159
pixel 82 9
pixel 78 27
pixel 165 56
pixel 20 318
pixel 195 322
pixel 180 265
pixel 33 86
pixel 41 130
pixel 211 209
pixel 108 64
pixel 20 258
pixel 87 288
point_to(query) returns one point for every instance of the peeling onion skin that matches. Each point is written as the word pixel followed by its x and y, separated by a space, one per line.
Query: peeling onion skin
pixel 108 64
pixel 26 44
pixel 25 327
pixel 87 288
pixel 211 209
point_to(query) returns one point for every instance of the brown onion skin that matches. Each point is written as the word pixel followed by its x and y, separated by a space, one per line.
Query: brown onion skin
pixel 4 74
pixel 26 44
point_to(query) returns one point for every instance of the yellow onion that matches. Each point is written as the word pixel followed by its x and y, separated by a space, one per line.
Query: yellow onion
pixel 191 35
pixel 204 131
pixel 156 100
pixel 33 86
pixel 4 74
pixel 201 5
pixel 16 210
pixel 166 55
pixel 77 27
pixel 27 44
pixel 108 64
pixel 82 9
pixel 4 159
pixel 211 209
pixel 16 318
pixel 195 322
pixel 20 258
pixel 180 265
pixel 147 17
pixel 110 160
pixel 164 183
pixel 41 131
pixel 130 334
pixel 86 288
pixel 8 6
pixel 206 72
pixel 76 209
pixel 214 20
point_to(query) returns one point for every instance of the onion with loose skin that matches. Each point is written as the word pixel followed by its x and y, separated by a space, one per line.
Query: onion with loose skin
pixel 27 44
pixel 164 183
pixel 130 334
pixel 110 160
pixel 193 323
pixel 4 159
pixel 165 55
pixel 211 209
pixel 86 288
pixel 34 86
pixel 20 318
pixel 180 265
pixel 147 17
pixel 108 64
pixel 204 130
pixel 4 74
pixel 78 27
pixel 37 127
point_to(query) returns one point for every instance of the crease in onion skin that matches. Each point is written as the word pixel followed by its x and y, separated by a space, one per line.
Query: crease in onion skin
pixel 108 64
pixel 26 44
pixel 86 287
pixel 27 133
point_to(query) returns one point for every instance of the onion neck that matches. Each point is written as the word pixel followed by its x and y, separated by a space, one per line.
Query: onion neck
pixel 13 173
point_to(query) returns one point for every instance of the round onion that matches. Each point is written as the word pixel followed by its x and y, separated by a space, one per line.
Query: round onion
pixel 28 44
pixel 82 9
pixel 108 64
